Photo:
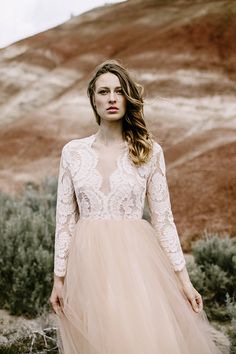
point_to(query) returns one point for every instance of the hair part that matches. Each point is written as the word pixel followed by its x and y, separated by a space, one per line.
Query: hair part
pixel 134 128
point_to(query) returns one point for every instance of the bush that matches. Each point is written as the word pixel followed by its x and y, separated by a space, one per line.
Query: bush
pixel 213 273
pixel 27 227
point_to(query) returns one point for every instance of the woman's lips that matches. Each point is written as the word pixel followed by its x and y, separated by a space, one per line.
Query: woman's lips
pixel 112 109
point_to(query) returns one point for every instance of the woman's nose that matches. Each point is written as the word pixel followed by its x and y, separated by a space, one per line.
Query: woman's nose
pixel 112 97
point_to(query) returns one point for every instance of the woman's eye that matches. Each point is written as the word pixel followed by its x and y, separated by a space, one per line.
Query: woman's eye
pixel 120 92
pixel 103 92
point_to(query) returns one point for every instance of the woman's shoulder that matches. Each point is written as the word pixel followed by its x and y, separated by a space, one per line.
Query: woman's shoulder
pixel 157 158
pixel 75 144
pixel 156 147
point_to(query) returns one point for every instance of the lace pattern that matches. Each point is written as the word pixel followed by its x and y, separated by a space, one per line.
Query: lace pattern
pixel 67 214
pixel 161 213
pixel 80 195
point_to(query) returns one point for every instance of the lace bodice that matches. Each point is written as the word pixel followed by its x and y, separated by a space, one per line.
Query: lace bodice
pixel 107 185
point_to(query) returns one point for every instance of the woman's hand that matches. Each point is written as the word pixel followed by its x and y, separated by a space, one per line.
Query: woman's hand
pixel 193 297
pixel 56 298
pixel 190 292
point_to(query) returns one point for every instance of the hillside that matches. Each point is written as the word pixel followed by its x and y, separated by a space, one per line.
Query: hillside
pixel 182 51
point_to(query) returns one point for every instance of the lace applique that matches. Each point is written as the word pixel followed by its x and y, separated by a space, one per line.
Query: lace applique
pixel 125 198
pixel 160 210
pixel 67 214
pixel 80 195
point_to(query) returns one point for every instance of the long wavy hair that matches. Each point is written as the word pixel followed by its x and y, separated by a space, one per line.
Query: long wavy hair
pixel 134 130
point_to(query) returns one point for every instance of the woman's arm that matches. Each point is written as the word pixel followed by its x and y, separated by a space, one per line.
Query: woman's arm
pixel 67 214
pixel 163 221
pixel 160 210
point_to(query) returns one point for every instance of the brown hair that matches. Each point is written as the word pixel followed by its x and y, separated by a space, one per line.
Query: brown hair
pixel 134 129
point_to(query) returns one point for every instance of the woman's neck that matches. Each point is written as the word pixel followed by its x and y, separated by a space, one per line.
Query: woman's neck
pixel 109 134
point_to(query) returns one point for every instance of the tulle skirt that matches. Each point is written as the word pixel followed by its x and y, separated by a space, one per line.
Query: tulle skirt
pixel 121 295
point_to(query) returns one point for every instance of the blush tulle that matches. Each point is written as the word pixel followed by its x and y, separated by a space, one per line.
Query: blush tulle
pixel 121 295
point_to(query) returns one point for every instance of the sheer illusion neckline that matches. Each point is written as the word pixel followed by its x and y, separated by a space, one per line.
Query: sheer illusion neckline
pixel 98 156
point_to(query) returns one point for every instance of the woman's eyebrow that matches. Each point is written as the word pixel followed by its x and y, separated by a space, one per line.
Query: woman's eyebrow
pixel 105 87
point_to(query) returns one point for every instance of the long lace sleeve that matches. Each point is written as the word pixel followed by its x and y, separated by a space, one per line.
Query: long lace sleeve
pixel 67 214
pixel 160 210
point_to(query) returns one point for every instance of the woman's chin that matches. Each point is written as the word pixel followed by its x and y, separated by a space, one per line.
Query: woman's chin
pixel 112 117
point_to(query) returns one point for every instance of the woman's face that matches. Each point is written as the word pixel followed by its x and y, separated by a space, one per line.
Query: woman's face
pixel 109 100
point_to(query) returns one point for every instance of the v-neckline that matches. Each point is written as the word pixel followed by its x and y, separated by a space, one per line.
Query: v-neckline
pixel 96 170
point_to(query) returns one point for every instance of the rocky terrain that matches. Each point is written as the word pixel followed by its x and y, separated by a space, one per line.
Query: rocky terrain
pixel 182 51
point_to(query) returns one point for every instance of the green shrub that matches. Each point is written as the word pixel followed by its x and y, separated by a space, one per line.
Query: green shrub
pixel 27 227
pixel 213 273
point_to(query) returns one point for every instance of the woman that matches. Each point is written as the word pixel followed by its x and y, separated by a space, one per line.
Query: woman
pixel 120 283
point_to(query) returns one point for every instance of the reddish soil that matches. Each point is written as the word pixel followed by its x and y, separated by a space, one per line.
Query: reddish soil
pixel 183 52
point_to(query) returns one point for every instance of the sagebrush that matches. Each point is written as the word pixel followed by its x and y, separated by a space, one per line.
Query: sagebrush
pixel 27 227
pixel 213 273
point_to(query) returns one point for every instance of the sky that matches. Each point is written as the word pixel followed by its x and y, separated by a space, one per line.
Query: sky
pixel 22 18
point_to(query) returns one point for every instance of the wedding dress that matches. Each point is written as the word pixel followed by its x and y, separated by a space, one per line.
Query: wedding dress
pixel 121 293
